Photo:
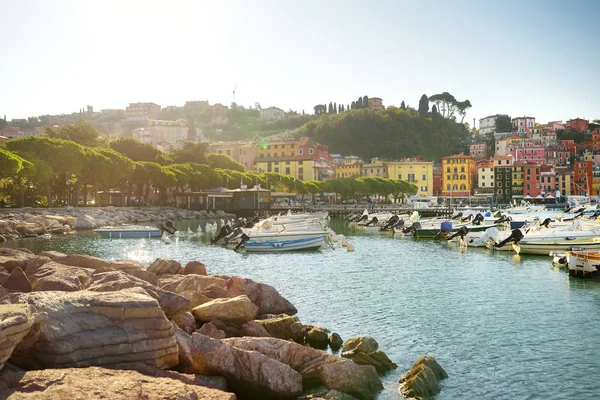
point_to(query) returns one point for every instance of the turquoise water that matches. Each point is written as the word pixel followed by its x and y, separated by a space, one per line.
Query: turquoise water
pixel 503 326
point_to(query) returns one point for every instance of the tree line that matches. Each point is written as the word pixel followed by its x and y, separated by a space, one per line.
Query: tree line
pixel 48 170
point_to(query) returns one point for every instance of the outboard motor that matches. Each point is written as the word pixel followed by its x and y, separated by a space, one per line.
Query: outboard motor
pixel 467 218
pixel 243 239
pixel 169 228
pixel 225 230
pixel 249 224
pixel 232 235
pixel 595 215
pixel 515 237
pixel 478 220
pixel 372 222
pixel 546 223
pixel 503 218
pixel 390 223
pixel 458 216
pixel 412 229
pixel 445 229
pixel 461 232
pixel 399 224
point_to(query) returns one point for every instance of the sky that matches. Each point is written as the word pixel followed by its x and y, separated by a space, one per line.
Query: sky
pixel 539 58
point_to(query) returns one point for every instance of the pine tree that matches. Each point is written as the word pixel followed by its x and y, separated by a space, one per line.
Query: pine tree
pixel 359 103
pixel 335 109
pixel 402 105
pixel 353 105
pixel 424 105
pixel 330 109
pixel 365 102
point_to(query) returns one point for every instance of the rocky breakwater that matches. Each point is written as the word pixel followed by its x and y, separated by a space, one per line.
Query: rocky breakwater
pixel 79 326
pixel 33 222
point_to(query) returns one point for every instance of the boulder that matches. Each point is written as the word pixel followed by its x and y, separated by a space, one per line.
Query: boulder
pixel 286 327
pixel 210 330
pixel 230 329
pixel 194 267
pixel 248 372
pixel 54 276
pixel 196 283
pixel 316 335
pixel 143 275
pixel 165 267
pixel 15 259
pixel 77 260
pixel 214 382
pixel 87 328
pixel 85 223
pixel 215 292
pixel 268 300
pixel 423 379
pixel 302 359
pixel 53 255
pixel 237 310
pixel 254 329
pixel 184 342
pixel 17 282
pixel 378 359
pixel 16 321
pixel 125 265
pixel 100 383
pixel 185 321
pixel 346 376
pixel 171 303
pixel 28 228
pixel 364 344
pixel 195 298
pixel 3 292
pixel 335 341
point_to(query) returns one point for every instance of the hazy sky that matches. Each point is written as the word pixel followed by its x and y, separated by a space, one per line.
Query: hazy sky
pixel 539 58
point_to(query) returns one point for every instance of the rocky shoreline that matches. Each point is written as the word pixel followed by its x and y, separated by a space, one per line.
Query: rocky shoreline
pixel 75 326
pixel 34 222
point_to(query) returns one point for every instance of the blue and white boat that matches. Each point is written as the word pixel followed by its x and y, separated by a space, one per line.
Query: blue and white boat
pixel 279 244
pixel 128 231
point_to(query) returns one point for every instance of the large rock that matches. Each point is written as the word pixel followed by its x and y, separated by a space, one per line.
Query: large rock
pixel 286 327
pixel 171 303
pixel 17 282
pixel 194 267
pixel 85 223
pixel 254 329
pixel 248 372
pixel 302 359
pixel 77 260
pixel 335 341
pixel 51 275
pixel 360 381
pixel 237 310
pixel 10 258
pixel 88 328
pixel 185 321
pixel 165 267
pixel 100 383
pixel 28 228
pixel 195 298
pixel 364 344
pixel 210 330
pixel 268 300
pixel 215 292
pixel 317 336
pixel 423 379
pixel 195 283
pixel 16 321
pixel 378 359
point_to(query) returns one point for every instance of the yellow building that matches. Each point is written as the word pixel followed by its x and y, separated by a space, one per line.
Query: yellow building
pixel 459 175
pixel 348 170
pixel 518 179
pixel 280 148
pixel 563 180
pixel 414 171
pixel 303 170
pixel 376 168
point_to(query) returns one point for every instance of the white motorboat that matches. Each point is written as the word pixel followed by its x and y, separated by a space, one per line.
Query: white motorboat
pixel 128 231
pixel 583 263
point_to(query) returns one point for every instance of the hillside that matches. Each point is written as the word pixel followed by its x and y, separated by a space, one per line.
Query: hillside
pixel 391 133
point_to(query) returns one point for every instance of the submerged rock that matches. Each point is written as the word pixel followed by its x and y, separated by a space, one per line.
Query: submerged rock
pixel 423 379
pixel 335 341
pixel 364 344
pixel 378 359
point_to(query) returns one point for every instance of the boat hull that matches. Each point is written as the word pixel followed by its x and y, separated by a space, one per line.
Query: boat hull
pixel 546 248
pixel 432 233
pixel 129 233
pixel 268 246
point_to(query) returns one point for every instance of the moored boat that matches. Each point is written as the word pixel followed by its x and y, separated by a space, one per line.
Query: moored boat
pixel 128 231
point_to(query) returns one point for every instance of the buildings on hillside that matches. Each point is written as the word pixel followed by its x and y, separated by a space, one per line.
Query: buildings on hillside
pixel 478 150
pixel 375 103
pixel 167 135
pixel 415 171
pixel 488 124
pixel 459 175
pixel 141 112
pixel 272 114
pixel 523 125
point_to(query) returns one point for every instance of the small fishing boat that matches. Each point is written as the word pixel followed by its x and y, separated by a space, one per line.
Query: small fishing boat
pixel 128 231
pixel 280 244
pixel 584 263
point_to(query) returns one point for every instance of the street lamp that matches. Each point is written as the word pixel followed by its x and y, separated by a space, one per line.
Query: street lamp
pixel 68 182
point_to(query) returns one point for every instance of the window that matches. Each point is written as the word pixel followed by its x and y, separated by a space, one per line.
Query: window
pixel 276 169
pixel 462 169
pixel 311 151
pixel 482 184
pixel 448 187
pixel 528 186
pixel 499 191
pixel 448 177
pixel 276 155
pixel 423 188
pixel 411 177
pixel 500 184
pixel 287 170
pixel 300 162
pixel 492 184
pixel 268 155
pixel 448 169
pixel 269 147
pixel 463 187
pixel 228 152
pixel 292 154
pixel 507 191
pixel 424 177
pixel 399 176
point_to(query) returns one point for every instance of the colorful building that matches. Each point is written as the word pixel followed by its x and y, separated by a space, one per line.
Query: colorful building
pixel 578 124
pixel 375 168
pixel 518 179
pixel 547 180
pixel 166 135
pixel 459 175
pixel 502 178
pixel 244 152
pixel 558 155
pixel 596 141
pixel 414 171
pixel 437 180
pixel 478 150
pixel 348 170
pixel 531 182
pixel 488 124
pixel 595 180
pixel 523 125
pixel 530 152
pixel 141 112
pixel 375 103
pixel 582 178
pixel 563 180
pixel 301 169
pixel 485 178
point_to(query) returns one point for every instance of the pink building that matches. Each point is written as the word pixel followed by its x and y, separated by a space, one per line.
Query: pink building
pixel 243 152
pixel 547 180
pixel 478 150
pixel 579 124
pixel 523 125
pixel 558 155
pixel 531 180
pixel 552 127
pixel 530 152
